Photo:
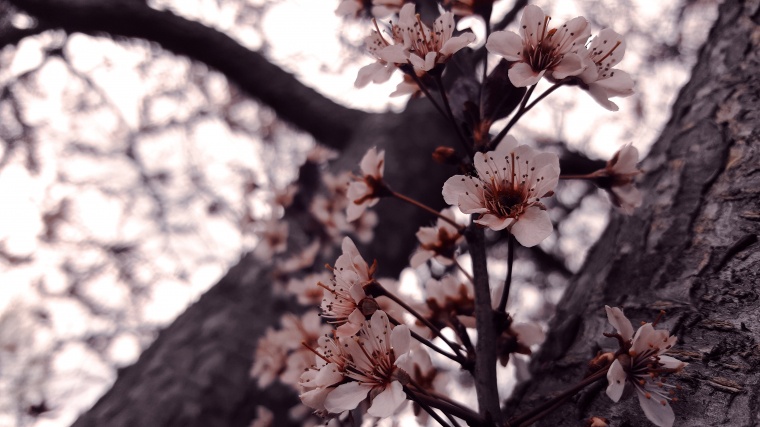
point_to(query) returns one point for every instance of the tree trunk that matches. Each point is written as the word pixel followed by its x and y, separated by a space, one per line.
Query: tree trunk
pixel 690 250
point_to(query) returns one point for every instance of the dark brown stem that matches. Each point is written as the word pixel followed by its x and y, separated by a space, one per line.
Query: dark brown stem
pixel 384 292
pixel 508 280
pixel 485 321
pixel 415 398
pixel 426 208
pixel 545 408
pixel 470 416
pixel 467 147
pixel 524 109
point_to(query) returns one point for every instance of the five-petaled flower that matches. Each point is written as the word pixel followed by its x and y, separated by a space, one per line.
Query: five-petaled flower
pixel 617 179
pixel 350 368
pixel 430 47
pixel 345 304
pixel 641 364
pixel 507 189
pixel 365 191
pixel 539 49
pixel 439 242
pixel 599 78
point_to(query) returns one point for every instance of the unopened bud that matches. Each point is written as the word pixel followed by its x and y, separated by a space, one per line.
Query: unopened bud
pixel 445 156
pixel 600 361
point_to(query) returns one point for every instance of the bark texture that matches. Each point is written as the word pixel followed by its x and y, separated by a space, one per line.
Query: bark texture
pixel 691 250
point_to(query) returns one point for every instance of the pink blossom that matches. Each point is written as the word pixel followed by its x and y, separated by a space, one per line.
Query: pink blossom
pixel 617 178
pixel 538 49
pixel 599 78
pixel 507 189
pixel 439 242
pixel 365 191
pixel 640 364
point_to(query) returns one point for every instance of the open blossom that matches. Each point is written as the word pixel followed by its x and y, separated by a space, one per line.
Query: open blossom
pixel 538 49
pixel 366 191
pixel 617 179
pixel 430 47
pixel 599 78
pixel 345 303
pixel 439 242
pixel 507 189
pixel 641 364
pixel 410 41
pixel 373 368
pixel 384 8
pixel 330 210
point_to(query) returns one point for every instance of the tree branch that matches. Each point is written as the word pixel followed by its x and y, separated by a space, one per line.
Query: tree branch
pixel 329 122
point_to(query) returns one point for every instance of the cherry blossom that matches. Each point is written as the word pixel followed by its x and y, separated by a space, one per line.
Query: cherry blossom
pixel 373 359
pixel 599 78
pixel 538 49
pixel 273 235
pixel 389 53
pixel 345 304
pixel 506 190
pixel 617 179
pixel 439 242
pixel 430 47
pixel 366 191
pixel 384 8
pixel 640 364
pixel 350 8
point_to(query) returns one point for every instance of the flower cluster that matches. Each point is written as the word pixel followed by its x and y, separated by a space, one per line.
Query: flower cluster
pixel 506 190
pixel 641 364
pixel 410 42
pixel 439 242
pixel 345 303
pixel 350 368
pixel 561 52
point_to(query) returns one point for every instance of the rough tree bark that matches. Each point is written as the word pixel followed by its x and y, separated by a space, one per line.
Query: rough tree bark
pixel 196 373
pixel 691 250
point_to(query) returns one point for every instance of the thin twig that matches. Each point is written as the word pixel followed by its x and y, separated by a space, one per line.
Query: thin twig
pixel 422 319
pixel 447 105
pixel 414 397
pixel 542 410
pixel 520 111
pixel 508 280
pixel 470 416
pixel 426 208
pixel 426 342
pixel 459 266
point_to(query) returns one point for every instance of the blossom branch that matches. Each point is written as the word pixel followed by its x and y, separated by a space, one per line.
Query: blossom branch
pixel 414 397
pixel 485 322
pixel 447 105
pixel 426 208
pixel 545 408
pixel 470 416
pixel 465 272
pixel 524 109
pixel 451 418
pixel 508 281
pixel 426 342
pixel 377 289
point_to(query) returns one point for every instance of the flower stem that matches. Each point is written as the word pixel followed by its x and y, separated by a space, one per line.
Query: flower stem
pixel 459 266
pixel 435 395
pixel 447 105
pixel 415 398
pixel 458 411
pixel 545 408
pixel 426 208
pixel 587 176
pixel 380 290
pixel 485 321
pixel 508 280
pixel 524 109
pixel 426 342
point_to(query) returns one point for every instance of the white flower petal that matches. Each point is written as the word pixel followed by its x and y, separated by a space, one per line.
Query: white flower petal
pixel 400 340
pixel 621 323
pixel 532 23
pixel 315 398
pixel 346 397
pixel 455 44
pixel 657 410
pixel 522 75
pixel 533 226
pixel 616 379
pixel 529 333
pixel 386 403
pixel 420 257
pixel 672 363
pixel 328 375
pixel 570 65
pixel 506 44
pixel 494 222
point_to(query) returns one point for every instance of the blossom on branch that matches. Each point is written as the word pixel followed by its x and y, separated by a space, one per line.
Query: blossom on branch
pixel 617 179
pixel 345 304
pixel 349 369
pixel 640 364
pixel 538 49
pixel 430 47
pixel 507 189
pixel 599 78
pixel 439 242
pixel 365 191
